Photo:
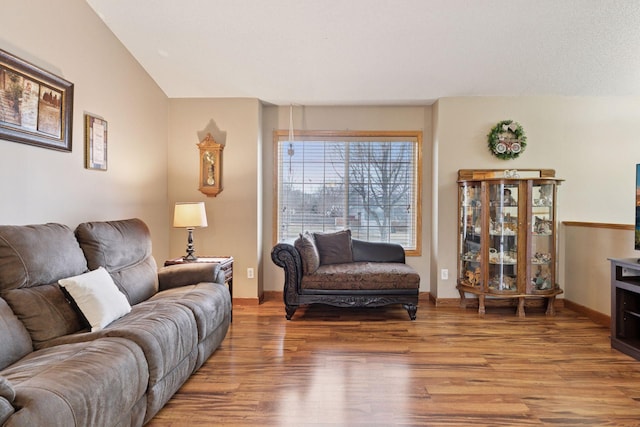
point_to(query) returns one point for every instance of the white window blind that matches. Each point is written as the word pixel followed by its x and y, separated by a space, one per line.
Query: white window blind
pixel 367 182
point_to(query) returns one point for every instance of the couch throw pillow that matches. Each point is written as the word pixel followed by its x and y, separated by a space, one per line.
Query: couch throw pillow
pixel 306 245
pixel 334 248
pixel 97 297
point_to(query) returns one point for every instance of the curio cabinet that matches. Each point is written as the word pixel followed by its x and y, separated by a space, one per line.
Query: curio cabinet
pixel 507 236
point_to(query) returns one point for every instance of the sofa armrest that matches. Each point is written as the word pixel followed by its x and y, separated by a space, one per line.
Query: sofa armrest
pixel 6 410
pixel 7 396
pixel 377 251
pixel 6 390
pixel 285 255
pixel 174 276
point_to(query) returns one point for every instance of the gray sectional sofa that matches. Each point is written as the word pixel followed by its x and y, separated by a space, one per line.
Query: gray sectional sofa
pixel 56 367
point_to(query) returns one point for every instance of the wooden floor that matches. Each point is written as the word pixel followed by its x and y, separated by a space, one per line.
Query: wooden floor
pixel 374 367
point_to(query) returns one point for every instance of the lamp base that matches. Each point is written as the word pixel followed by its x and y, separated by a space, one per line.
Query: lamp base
pixel 190 248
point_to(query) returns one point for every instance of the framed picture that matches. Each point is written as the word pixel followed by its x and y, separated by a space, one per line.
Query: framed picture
pixel 36 107
pixel 95 130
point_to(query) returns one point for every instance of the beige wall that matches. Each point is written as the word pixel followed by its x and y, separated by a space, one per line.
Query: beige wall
pixel 40 185
pixel 234 215
pixel 590 142
pixel 587 249
pixel 343 118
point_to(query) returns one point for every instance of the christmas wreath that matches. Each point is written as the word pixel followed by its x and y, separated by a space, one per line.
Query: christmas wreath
pixel 507 140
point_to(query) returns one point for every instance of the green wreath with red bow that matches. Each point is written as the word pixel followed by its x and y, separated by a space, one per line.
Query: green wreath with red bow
pixel 507 140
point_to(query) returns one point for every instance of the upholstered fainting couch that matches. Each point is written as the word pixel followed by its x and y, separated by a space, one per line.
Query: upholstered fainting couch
pixel 334 269
pixel 91 333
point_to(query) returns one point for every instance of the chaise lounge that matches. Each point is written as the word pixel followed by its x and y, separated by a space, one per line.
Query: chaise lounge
pixel 334 269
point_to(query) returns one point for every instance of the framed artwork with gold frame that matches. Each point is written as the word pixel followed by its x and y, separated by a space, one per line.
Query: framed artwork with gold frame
pixel 210 178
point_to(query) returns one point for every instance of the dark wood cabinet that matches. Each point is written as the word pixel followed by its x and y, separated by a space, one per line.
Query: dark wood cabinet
pixel 625 306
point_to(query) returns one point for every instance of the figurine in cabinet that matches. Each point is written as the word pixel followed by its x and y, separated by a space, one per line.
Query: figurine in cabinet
pixel 473 277
pixel 542 278
pixel 508 198
pixel 542 226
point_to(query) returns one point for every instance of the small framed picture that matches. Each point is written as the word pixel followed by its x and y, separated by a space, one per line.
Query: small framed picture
pixel 95 142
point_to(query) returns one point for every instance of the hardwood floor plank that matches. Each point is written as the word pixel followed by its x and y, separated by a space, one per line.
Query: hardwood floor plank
pixel 374 367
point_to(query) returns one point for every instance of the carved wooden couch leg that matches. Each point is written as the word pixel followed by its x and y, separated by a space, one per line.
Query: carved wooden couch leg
pixel 290 309
pixel 411 309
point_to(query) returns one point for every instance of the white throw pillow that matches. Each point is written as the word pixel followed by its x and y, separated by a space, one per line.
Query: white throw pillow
pixel 99 299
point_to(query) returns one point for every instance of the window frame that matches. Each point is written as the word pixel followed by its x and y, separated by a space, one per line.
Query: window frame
pixel 299 135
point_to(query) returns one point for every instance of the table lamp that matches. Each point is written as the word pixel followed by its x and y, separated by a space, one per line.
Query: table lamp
pixel 189 215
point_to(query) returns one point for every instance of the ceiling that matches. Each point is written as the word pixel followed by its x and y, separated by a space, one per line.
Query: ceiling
pixel 381 52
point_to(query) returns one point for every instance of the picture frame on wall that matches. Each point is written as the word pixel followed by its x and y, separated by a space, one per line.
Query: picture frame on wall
pixel 36 106
pixel 95 142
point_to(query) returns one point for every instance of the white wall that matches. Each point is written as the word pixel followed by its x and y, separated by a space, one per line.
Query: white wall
pixel 591 143
pixel 40 185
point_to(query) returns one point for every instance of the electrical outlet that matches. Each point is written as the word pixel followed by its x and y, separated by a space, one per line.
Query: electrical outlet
pixel 444 274
pixel 249 273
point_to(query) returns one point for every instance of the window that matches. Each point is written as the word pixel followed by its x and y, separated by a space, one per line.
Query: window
pixel 368 182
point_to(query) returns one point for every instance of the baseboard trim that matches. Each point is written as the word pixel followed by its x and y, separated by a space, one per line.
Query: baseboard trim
pixel 271 295
pixel 595 316
pixel 247 301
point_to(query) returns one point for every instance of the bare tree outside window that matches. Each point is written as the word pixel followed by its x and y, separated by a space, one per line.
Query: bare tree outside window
pixel 380 181
pixel 366 182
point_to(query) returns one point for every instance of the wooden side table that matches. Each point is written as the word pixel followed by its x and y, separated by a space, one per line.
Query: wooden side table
pixel 226 264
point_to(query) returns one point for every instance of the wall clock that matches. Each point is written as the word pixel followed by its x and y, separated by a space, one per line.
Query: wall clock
pixel 210 166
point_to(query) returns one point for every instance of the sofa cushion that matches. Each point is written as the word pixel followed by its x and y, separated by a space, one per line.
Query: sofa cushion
pixel 334 248
pixel 86 384
pixel 306 246
pixel 123 248
pixel 363 276
pixel 97 297
pixel 167 334
pixel 210 304
pixel 32 259
pixel 34 255
pixel 168 337
pixel 45 312
pixel 16 342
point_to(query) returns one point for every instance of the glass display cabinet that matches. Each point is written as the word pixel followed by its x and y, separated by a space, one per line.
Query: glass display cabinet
pixel 507 236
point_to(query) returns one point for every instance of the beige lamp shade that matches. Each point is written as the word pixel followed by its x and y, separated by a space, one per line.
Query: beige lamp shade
pixel 189 215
